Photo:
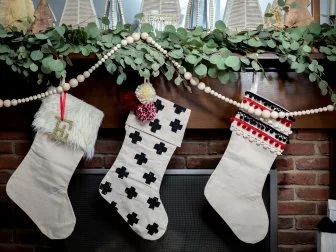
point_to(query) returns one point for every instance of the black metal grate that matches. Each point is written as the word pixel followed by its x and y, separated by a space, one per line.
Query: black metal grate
pixel 193 224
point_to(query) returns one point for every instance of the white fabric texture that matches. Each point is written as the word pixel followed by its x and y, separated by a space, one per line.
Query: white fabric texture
pixel 86 118
pixel 132 184
pixel 39 185
pixel 234 189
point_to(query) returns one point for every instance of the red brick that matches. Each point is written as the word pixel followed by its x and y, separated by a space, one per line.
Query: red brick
pixel 312 193
pixel 284 164
pixel 10 161
pixel 108 147
pixel 4 176
pixel 312 135
pixel 6 147
pixel 217 147
pixel 324 179
pixel 324 149
pixel 289 208
pixel 177 163
pixel 95 162
pixel 202 162
pixel 193 148
pixel 312 164
pixel 285 194
pixel 322 208
pixel 296 178
pixel 296 237
pixel 15 135
pixel 109 160
pixel 15 248
pixel 306 248
pixel 285 222
pixel 285 249
pixel 5 236
pixel 22 148
pixel 307 222
pixel 297 149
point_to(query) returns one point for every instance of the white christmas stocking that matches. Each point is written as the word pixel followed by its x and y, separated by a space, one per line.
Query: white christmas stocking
pixel 235 187
pixel 132 184
pixel 39 185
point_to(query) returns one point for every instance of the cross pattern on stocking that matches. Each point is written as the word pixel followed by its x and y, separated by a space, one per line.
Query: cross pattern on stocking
pixel 122 172
pixel 135 137
pixel 141 158
pixel 131 192
pixel 179 109
pixel 132 219
pixel 105 188
pixel 153 202
pixel 152 229
pixel 158 105
pixel 175 125
pixel 160 148
pixel 114 205
pixel 149 177
pixel 155 125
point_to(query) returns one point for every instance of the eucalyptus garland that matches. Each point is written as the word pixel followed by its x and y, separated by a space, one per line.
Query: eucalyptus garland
pixel 217 54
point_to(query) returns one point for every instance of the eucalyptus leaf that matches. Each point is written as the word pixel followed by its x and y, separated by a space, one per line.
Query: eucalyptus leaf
pixel 56 65
pixel 220 25
pixel 224 76
pixel 255 65
pixel 333 98
pixel 146 28
pixel 178 80
pixel 33 67
pixel 233 62
pixel 201 70
pixel 36 55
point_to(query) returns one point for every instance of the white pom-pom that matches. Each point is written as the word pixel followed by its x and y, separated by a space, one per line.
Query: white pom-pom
pixel 1 103
pixel 258 112
pixel 274 114
pixel 266 114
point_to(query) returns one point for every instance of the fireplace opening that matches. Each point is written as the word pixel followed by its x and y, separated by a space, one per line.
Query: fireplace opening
pixel 193 224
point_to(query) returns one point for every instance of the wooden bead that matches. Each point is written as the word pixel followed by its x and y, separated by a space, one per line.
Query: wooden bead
pixel 7 103
pixel 330 108
pixel 73 83
pixel 14 102
pixel 86 74
pixel 136 36
pixel 80 78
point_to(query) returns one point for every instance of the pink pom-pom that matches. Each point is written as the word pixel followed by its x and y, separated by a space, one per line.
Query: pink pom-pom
pixel 146 112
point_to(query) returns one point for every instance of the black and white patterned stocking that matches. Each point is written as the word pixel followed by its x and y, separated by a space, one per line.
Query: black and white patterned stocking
pixel 132 184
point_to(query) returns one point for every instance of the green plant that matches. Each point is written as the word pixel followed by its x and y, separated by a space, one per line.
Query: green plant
pixel 217 54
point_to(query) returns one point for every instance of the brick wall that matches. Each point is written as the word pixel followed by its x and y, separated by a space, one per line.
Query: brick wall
pixel 302 173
